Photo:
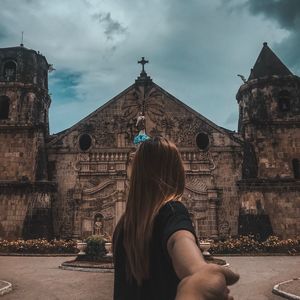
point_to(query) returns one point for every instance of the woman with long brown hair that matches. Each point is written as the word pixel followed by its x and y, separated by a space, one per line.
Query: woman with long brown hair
pixel 155 245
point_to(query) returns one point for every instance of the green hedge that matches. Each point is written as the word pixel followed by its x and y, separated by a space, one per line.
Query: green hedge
pixel 38 246
pixel 247 244
pixel 96 249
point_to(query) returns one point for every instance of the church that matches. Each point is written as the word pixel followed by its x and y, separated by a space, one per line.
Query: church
pixel 74 183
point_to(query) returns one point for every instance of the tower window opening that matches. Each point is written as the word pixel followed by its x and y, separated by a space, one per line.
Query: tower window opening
pixel 10 71
pixel 284 101
pixel 4 107
pixel 296 168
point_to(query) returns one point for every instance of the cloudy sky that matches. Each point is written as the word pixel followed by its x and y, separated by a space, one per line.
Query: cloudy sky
pixel 196 48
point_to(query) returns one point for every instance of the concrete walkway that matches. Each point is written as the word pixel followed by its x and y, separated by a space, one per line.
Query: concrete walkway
pixel 36 278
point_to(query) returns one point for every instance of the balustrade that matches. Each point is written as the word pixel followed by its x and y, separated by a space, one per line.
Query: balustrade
pixel 108 156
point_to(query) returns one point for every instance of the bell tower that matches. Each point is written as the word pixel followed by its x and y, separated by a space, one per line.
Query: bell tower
pixel 25 192
pixel 269 122
pixel 269 116
pixel 24 106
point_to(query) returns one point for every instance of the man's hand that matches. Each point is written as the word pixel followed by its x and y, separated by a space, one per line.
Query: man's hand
pixel 209 283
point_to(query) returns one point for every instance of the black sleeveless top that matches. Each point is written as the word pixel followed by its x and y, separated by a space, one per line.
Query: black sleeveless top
pixel 163 281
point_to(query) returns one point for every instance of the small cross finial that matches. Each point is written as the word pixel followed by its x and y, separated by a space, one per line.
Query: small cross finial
pixel 143 62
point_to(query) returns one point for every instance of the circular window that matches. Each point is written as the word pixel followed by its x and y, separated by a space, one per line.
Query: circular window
pixel 202 140
pixel 85 142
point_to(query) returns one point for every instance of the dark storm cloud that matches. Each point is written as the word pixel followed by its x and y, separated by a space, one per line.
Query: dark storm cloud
pixel 195 49
pixel 286 13
pixel 111 27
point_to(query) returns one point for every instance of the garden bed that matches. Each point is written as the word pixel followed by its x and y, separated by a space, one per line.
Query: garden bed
pixel 38 246
pixel 248 245
pixel 243 245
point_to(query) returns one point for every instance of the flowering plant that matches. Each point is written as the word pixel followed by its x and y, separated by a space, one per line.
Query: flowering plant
pixel 40 246
pixel 248 244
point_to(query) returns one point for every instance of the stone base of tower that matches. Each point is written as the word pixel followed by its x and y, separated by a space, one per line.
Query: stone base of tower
pixel 26 209
pixel 273 201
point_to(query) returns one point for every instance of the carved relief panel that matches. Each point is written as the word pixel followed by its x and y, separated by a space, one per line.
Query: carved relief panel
pixel 196 200
pixel 97 206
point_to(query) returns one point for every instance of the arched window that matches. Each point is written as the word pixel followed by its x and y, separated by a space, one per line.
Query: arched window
pixel 296 168
pixel 4 107
pixel 284 104
pixel 10 71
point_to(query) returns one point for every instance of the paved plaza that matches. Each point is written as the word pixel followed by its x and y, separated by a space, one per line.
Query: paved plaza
pixel 36 278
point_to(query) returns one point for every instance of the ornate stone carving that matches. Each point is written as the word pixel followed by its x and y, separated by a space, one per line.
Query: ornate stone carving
pixel 147 100
pixel 98 188
pixel 196 186
pixel 188 127
pixel 223 224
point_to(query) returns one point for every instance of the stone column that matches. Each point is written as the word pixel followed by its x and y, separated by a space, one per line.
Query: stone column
pixel 120 203
pixel 76 199
pixel 212 213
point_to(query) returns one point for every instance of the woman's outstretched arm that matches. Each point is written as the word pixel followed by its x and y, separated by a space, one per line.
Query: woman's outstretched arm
pixel 199 280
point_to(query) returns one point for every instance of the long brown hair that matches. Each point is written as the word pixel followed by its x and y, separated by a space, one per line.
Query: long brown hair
pixel 157 176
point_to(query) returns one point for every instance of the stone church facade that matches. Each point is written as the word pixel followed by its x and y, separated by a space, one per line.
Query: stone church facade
pixel 64 185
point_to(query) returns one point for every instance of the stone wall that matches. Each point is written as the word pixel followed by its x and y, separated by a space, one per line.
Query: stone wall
pixel 227 172
pixel 279 199
pixel 25 210
pixel 63 171
pixel 275 149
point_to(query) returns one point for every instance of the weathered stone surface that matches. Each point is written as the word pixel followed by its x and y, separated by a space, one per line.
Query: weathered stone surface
pixel 80 175
pixel 270 124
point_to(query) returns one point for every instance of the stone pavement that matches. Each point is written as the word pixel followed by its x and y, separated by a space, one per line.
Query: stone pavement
pixel 36 278
pixel 260 274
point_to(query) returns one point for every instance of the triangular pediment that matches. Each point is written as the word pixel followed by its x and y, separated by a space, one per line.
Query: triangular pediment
pixel 113 125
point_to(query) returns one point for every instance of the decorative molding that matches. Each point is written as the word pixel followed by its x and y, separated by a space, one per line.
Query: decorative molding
pixel 98 188
pixel 196 185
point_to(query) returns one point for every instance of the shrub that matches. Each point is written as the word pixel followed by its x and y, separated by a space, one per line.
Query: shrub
pixel 247 244
pixel 38 246
pixel 95 248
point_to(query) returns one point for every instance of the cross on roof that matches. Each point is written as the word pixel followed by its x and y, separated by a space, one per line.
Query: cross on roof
pixel 143 62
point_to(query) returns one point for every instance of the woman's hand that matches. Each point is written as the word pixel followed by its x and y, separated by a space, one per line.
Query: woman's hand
pixel 209 283
pixel 199 280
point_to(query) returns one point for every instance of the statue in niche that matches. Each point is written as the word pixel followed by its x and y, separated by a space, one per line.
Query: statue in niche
pixel 98 228
pixel 141 126
pixel 140 123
